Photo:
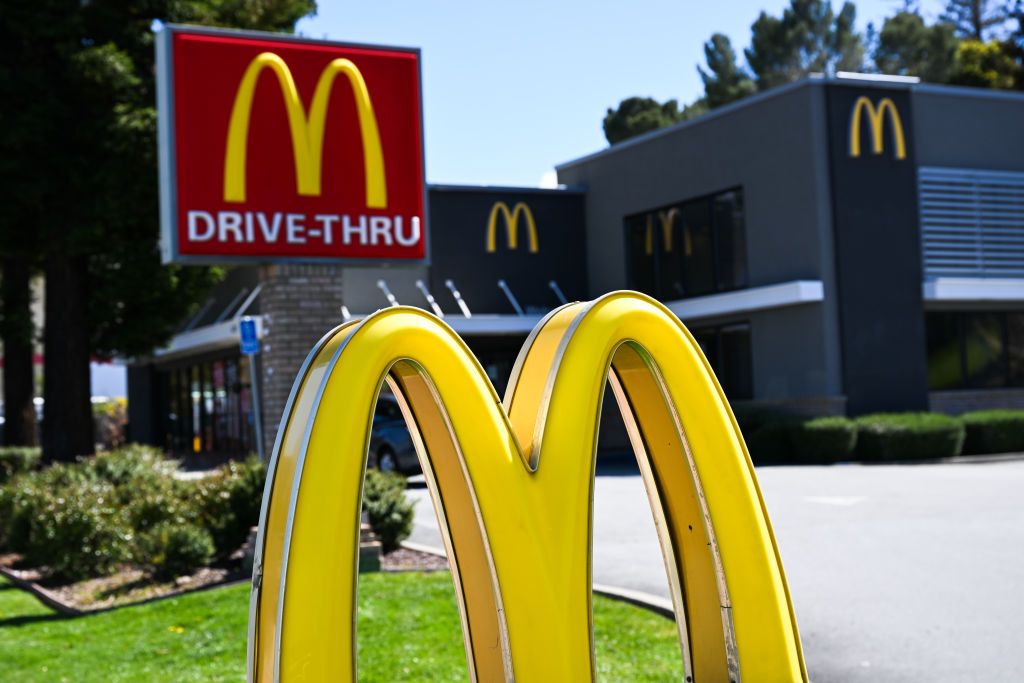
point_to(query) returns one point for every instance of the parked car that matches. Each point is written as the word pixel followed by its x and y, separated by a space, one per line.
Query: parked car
pixel 391 448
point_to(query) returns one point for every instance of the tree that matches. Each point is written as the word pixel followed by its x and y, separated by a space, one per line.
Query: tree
pixel 984 65
pixel 974 19
pixel 79 141
pixel 908 47
pixel 808 38
pixel 638 115
pixel 18 334
pixel 724 81
pixel 1014 45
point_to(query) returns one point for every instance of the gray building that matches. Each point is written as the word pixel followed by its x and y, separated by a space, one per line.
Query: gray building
pixel 837 246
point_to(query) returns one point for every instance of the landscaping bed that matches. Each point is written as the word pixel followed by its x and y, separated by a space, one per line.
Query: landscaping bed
pixel 408 626
pixel 124 526
pixel 127 585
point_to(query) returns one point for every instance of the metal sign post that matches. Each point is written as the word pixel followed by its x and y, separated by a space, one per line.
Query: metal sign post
pixel 250 343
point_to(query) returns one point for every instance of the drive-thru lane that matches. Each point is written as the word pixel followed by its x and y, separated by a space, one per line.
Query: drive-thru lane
pixel 898 573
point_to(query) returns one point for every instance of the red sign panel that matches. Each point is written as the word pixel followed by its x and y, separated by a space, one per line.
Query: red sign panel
pixel 277 148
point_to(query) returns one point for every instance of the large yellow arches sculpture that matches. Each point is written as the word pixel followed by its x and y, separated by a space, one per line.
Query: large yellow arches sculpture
pixel 512 486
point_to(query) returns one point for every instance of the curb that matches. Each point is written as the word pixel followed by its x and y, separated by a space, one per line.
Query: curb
pixel 53 602
pixel 658 605
pixel 983 459
pixel 44 596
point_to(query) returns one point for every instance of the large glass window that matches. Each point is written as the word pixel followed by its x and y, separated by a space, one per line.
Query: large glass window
pixel 728 351
pixel 732 240
pixel 975 350
pixel 945 370
pixel 209 407
pixel 689 249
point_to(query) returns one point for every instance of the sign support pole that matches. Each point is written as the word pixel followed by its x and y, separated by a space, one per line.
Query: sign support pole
pixel 250 344
pixel 257 406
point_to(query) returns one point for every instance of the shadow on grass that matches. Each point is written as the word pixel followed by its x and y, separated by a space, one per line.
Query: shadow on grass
pixel 25 619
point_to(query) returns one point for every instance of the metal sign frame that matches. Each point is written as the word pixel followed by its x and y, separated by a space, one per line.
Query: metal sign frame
pixel 167 136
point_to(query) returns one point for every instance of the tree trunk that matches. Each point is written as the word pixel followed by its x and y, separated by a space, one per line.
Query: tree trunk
pixel 19 384
pixel 67 413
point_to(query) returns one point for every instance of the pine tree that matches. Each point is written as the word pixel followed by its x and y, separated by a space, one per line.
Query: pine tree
pixel 724 81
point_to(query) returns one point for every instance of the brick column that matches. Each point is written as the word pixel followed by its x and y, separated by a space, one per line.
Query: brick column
pixel 299 303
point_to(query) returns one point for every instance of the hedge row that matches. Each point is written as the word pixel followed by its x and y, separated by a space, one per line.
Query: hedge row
pixel 882 436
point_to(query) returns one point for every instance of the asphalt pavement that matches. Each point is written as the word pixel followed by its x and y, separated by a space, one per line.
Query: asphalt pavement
pixel 898 572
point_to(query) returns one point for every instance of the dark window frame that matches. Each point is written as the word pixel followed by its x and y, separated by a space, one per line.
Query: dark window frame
pixel 966 381
pixel 656 265
pixel 717 357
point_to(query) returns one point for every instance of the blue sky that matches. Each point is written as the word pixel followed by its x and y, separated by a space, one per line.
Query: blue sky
pixel 511 89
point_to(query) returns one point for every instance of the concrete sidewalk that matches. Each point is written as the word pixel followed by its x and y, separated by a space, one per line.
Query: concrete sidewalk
pixel 898 573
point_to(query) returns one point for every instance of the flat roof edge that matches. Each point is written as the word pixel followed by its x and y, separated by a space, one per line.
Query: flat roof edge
pixel 809 81
pixel 703 118
pixel 561 189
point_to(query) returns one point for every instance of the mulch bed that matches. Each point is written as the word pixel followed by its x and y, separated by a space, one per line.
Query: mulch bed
pixel 129 585
pixel 408 560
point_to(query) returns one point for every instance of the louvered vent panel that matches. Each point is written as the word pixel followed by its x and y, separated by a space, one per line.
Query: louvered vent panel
pixel 972 222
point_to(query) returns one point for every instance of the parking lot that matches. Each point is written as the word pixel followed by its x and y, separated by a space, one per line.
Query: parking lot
pixel 898 573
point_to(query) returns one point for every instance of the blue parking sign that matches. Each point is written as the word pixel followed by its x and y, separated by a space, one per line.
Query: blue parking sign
pixel 247 333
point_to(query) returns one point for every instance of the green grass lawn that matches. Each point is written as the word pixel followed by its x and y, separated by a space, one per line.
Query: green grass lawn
pixel 408 631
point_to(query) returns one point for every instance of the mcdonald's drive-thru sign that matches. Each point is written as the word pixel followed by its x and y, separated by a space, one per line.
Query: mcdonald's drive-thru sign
pixel 277 148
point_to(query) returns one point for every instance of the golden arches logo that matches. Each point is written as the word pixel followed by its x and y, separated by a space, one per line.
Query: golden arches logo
pixel 876 117
pixel 511 483
pixel 511 217
pixel 307 130
pixel 666 219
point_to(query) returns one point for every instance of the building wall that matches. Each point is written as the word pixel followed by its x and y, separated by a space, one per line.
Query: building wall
pixel 776 150
pixel 362 295
pixel 769 148
pixel 969 128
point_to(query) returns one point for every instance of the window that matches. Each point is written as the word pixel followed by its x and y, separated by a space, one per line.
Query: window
pixel 975 350
pixel 689 249
pixel 728 351
pixel 209 407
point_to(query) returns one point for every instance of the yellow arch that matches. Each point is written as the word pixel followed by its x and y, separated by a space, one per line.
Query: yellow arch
pixel 511 226
pixel 876 116
pixel 513 490
pixel 307 132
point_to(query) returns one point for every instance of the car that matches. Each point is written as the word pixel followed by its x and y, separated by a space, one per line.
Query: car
pixel 391 447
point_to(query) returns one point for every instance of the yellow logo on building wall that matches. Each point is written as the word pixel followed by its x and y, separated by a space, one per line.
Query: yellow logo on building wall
pixel 876 117
pixel 307 130
pixel 512 486
pixel 666 219
pixel 511 226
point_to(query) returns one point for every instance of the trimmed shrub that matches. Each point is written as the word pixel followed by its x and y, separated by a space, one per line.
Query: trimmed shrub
pixel 77 531
pixel 172 549
pixel 894 436
pixel 132 465
pixel 993 431
pixel 386 506
pixel 16 506
pixel 22 497
pixel 158 501
pixel 16 460
pixel 228 503
pixel 824 439
pixel 82 519
pixel 771 442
